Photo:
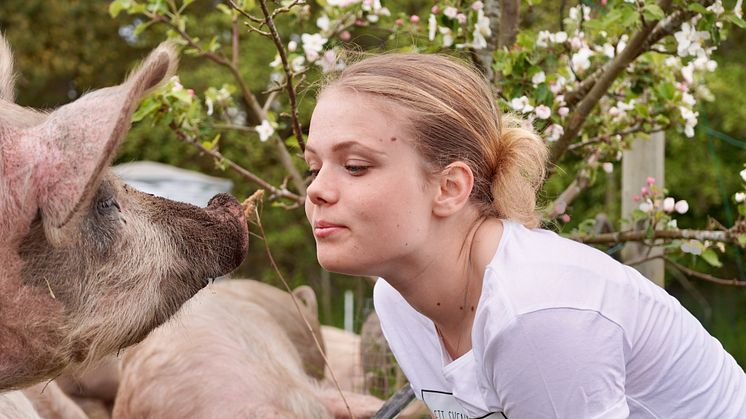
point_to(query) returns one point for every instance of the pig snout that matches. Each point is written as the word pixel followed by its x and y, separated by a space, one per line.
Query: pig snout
pixel 228 213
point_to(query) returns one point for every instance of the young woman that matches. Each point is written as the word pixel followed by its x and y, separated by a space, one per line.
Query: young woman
pixel 418 180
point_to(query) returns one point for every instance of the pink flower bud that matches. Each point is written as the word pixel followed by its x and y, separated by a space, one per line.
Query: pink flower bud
pixel 644 191
pixel 434 10
pixel 477 5
pixel 191 92
pixel 565 218
pixel 636 198
pixel 345 36
pixel 414 19
pixel 651 180
pixel 399 22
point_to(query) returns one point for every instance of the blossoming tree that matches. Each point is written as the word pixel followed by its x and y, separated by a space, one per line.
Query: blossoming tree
pixel 617 70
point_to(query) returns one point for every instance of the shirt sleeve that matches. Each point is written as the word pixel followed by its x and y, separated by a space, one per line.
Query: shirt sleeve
pixel 558 363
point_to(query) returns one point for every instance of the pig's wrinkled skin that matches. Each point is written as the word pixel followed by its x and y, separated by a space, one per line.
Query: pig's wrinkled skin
pixel 226 354
pixel 87 264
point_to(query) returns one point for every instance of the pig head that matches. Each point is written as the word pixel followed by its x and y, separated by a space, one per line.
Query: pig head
pixel 89 265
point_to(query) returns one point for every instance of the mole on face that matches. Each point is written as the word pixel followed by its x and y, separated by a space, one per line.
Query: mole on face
pixel 393 139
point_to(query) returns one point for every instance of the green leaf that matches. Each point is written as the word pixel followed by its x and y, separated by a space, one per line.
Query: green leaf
pixel 653 12
pixel 737 21
pixel 210 145
pixel 115 8
pixel 147 107
pixel 141 27
pixel 711 257
pixel 696 7
pixel 225 9
pixel 629 17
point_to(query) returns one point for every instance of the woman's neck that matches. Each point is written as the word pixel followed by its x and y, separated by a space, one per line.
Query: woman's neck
pixel 446 284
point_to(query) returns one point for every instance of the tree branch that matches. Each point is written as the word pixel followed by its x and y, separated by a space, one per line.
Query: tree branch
pixel 703 276
pixel 509 20
pixel 607 77
pixel 726 236
pixel 483 57
pixel 559 206
pixel 665 27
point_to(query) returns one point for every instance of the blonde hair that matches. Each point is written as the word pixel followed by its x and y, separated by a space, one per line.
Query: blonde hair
pixel 453 116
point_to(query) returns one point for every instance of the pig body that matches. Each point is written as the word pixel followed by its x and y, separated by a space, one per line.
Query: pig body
pixel 343 353
pixel 222 356
pixel 231 353
pixel 87 264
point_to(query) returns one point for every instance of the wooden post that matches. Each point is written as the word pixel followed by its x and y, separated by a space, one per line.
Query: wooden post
pixel 644 159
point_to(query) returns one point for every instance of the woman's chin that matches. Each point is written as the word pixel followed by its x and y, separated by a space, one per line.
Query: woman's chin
pixel 340 264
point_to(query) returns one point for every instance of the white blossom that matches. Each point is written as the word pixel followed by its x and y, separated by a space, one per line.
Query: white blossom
pixel 481 30
pixel 341 3
pixel 265 130
pixel 543 112
pixel 690 40
pixel 646 205
pixel 738 9
pixel 688 99
pixel 313 45
pixel 538 78
pixel 447 36
pixel 717 7
pixel 692 246
pixel 521 104
pixel 608 167
pixel 688 73
pixel 451 12
pixel 554 132
pixel 323 22
pixel 681 207
pixel 739 197
pixel 581 59
pixel 432 25
pixel 622 44
pixel 743 174
pixel 292 46
pixel 668 204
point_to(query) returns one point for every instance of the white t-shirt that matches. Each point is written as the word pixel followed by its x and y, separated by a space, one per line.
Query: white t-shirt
pixel 563 330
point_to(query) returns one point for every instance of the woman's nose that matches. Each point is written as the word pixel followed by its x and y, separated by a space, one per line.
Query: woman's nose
pixel 323 190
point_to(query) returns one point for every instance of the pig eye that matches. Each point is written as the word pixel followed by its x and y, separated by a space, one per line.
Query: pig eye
pixel 107 204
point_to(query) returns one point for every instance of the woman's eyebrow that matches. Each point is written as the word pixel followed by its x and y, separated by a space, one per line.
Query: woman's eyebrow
pixel 346 145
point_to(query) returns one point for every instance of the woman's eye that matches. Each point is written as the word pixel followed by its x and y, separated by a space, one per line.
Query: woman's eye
pixel 356 169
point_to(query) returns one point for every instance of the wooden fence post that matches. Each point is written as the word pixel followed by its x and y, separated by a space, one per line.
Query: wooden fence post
pixel 644 159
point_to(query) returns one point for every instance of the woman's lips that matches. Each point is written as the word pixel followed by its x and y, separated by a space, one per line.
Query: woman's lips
pixel 323 229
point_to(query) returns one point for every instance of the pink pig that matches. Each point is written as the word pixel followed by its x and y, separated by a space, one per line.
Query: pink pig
pixel 89 265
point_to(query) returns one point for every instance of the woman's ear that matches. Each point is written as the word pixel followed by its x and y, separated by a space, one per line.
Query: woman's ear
pixel 455 183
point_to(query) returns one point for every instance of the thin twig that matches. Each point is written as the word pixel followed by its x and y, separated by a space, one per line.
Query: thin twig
pixel 581 181
pixel 705 277
pixel 728 236
pixel 277 192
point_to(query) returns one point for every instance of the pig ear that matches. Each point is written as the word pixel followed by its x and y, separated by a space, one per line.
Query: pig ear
pixel 308 297
pixel 79 141
pixel 6 71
